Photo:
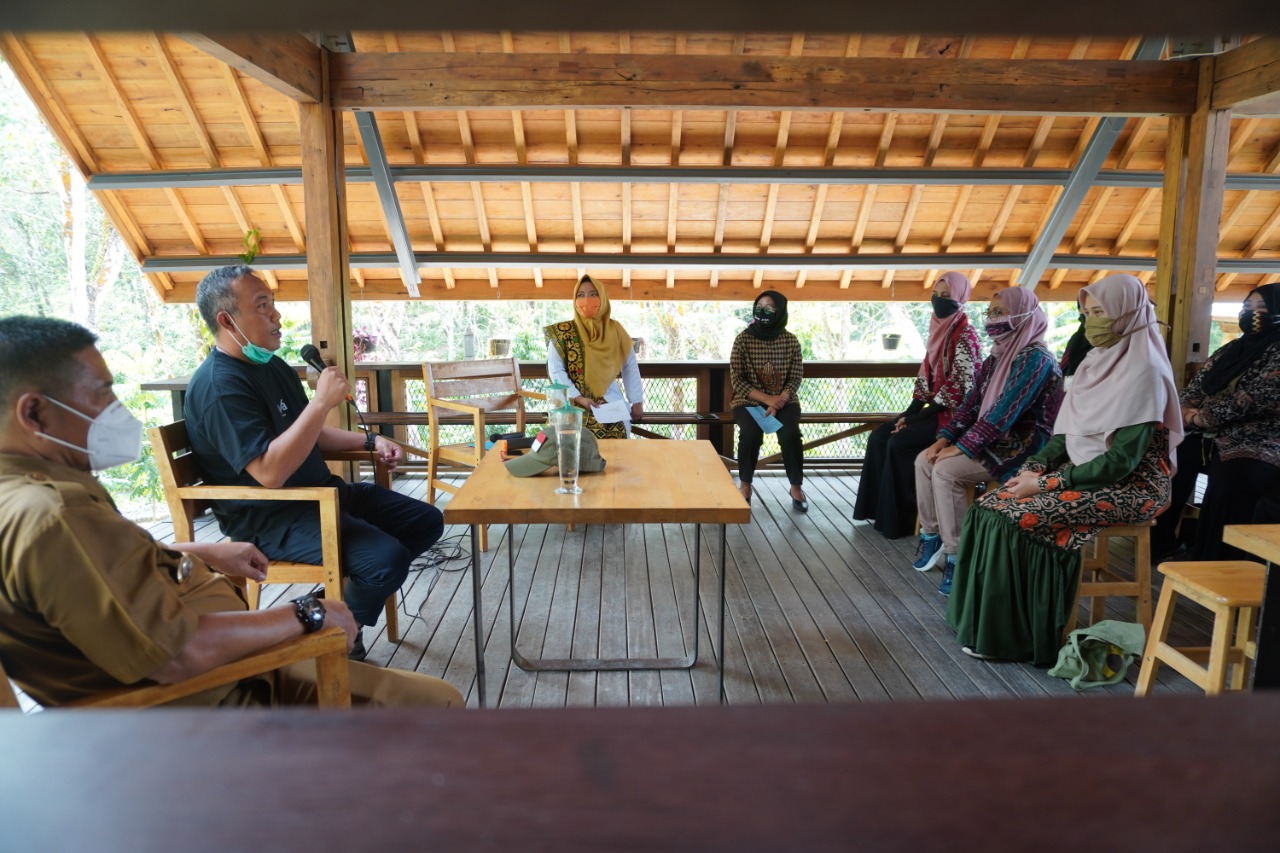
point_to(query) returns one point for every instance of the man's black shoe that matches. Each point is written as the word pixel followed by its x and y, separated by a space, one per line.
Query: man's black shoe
pixel 357 650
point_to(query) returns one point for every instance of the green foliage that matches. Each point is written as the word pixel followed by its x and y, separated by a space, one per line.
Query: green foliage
pixel 252 245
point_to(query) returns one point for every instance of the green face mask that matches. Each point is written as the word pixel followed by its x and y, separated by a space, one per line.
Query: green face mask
pixel 1098 331
pixel 253 352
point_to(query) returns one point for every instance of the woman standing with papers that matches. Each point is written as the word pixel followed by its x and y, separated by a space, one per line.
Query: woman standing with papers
pixel 588 354
pixel 765 370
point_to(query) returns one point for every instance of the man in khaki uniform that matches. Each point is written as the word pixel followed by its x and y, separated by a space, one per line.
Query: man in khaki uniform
pixel 88 600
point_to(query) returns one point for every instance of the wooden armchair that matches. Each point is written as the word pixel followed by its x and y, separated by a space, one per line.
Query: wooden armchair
pixel 327 647
pixel 459 389
pixel 188 497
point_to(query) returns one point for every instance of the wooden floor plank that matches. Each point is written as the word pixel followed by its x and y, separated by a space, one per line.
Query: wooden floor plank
pixel 819 610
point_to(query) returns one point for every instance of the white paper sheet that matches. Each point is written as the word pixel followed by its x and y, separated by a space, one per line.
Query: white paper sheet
pixel 610 413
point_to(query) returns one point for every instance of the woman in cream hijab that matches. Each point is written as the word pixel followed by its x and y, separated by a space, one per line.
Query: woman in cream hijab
pixel 1108 463
pixel 589 354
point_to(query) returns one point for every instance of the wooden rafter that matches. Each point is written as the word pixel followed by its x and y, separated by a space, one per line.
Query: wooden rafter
pixel 779 157
pixel 250 123
pixel 1102 201
pixel 1032 154
pixel 1262 238
pixel 285 62
pixel 103 68
pixel 882 155
pixel 187 106
pixel 722 193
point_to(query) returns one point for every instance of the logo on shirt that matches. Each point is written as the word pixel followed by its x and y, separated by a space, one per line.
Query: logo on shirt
pixel 284 408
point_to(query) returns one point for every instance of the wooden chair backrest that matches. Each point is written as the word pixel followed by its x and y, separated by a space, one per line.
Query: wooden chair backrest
pixel 177 467
pixel 490 384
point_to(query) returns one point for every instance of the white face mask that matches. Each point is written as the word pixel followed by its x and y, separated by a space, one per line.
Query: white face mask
pixel 115 436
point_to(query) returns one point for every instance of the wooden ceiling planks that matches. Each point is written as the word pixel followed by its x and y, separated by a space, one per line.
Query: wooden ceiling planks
pixel 175 107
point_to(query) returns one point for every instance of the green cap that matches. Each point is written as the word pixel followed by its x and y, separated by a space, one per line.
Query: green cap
pixel 546 458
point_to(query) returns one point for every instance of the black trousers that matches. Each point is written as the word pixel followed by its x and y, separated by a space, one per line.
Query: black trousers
pixel 1235 489
pixel 887 487
pixel 750 436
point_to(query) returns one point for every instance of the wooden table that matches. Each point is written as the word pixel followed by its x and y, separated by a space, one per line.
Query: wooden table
pixel 1263 540
pixel 644 482
pixel 1168 773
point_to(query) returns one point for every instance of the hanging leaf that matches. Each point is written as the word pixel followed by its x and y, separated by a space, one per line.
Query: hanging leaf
pixel 252 245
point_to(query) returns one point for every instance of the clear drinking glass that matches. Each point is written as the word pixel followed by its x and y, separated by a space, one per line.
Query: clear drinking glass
pixel 567 422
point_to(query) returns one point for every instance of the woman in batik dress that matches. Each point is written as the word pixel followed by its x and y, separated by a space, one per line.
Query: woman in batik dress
pixel 1108 463
pixel 589 354
pixel 887 487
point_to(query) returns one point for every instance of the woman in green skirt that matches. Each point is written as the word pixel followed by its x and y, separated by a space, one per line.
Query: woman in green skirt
pixel 1109 463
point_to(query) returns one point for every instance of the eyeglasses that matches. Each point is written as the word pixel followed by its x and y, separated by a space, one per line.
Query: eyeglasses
pixel 996 312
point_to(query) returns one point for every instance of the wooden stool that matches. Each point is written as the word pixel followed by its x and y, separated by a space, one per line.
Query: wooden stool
pixel 1232 590
pixel 1098 581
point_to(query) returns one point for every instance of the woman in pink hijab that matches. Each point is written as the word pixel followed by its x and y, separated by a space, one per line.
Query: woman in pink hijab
pixel 1006 416
pixel 887 487
pixel 1108 463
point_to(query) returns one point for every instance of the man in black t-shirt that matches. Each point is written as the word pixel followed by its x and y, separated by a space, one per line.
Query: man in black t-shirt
pixel 250 424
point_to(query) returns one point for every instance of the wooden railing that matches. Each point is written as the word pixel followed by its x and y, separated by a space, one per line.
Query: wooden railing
pixel 710 415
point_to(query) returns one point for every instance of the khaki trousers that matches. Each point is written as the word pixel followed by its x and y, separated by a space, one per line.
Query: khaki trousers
pixel 941 497
pixel 371 686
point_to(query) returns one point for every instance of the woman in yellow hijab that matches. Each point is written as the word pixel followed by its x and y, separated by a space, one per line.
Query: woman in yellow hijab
pixel 589 354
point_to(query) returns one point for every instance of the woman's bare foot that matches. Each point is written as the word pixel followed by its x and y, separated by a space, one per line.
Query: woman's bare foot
pixel 745 488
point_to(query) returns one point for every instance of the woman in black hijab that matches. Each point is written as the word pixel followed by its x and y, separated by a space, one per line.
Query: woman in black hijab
pixel 765 371
pixel 1231 409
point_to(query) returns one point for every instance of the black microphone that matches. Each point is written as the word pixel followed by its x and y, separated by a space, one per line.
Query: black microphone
pixel 311 356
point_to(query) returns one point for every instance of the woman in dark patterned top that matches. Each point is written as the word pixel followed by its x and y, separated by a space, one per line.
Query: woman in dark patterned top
pixel 887 487
pixel 1006 416
pixel 1107 464
pixel 765 370
pixel 1232 413
pixel 588 354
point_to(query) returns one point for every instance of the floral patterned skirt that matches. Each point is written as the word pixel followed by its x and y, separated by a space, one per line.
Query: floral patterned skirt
pixel 1071 518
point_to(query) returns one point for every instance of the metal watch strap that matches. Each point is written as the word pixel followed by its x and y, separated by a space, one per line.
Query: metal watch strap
pixel 310 612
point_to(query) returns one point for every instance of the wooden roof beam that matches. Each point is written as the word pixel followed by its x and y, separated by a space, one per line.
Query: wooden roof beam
pixel 400 81
pixel 285 62
pixel 742 263
pixel 1246 79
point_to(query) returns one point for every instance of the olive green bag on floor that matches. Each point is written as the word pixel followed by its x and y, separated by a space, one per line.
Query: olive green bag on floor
pixel 1100 654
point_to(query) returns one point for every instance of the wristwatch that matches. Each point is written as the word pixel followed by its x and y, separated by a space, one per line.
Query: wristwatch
pixel 310 612
pixel 369 440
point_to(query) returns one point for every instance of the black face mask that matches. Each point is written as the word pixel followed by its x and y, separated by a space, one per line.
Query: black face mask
pixel 943 307
pixel 1252 322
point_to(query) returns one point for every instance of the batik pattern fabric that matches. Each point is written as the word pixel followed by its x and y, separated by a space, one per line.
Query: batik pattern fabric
pixel 1068 518
pixel 771 366
pixel 1020 423
pixel 564 337
pixel 1244 418
pixel 960 365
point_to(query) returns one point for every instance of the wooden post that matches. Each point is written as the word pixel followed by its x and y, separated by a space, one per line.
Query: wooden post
pixel 328 261
pixel 1186 262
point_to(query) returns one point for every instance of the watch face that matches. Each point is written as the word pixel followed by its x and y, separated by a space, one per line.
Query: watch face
pixel 183 571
